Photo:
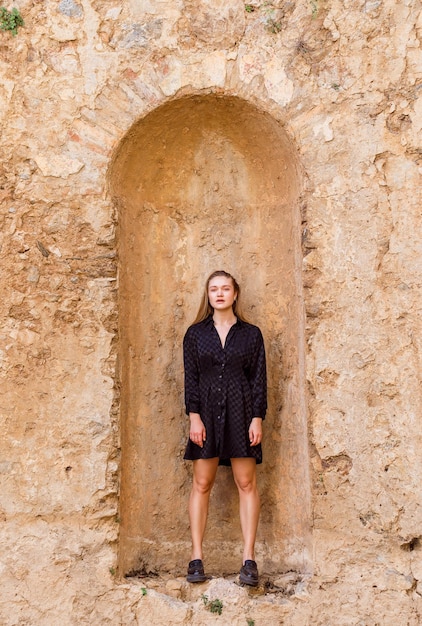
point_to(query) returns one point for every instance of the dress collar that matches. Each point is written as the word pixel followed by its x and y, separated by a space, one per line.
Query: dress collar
pixel 209 322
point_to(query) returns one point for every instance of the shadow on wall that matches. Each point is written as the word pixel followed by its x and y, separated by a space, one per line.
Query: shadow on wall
pixel 205 183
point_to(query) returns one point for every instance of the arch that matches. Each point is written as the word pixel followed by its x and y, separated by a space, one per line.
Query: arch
pixel 202 183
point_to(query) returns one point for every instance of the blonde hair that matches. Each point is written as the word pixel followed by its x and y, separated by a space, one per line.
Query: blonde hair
pixel 205 309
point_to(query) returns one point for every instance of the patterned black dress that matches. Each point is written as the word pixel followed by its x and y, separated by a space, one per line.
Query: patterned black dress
pixel 226 386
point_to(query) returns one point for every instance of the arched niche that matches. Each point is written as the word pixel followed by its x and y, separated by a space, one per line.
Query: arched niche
pixel 203 183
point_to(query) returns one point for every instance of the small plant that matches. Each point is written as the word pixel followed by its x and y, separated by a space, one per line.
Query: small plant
pixel 273 26
pixel 144 591
pixel 314 5
pixel 112 571
pixel 251 622
pixel 214 606
pixel 10 20
pixel 273 18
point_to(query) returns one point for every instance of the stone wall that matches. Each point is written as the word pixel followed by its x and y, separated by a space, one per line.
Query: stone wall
pixel 204 182
pixel 341 81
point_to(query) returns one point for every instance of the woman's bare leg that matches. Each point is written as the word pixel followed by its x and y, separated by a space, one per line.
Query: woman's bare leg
pixel 204 472
pixel 244 474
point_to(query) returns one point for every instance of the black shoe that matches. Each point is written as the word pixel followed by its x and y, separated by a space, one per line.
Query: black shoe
pixel 196 572
pixel 249 573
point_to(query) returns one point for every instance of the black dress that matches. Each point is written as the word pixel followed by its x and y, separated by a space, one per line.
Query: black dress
pixel 226 386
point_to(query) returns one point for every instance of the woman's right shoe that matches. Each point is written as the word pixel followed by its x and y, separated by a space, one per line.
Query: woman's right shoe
pixel 196 572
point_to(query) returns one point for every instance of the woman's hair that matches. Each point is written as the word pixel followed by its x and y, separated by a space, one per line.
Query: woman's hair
pixel 205 309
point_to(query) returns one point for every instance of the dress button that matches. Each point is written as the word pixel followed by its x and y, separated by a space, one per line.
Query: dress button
pixel 218 417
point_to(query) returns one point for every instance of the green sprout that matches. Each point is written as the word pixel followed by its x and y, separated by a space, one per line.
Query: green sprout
pixel 10 20
pixel 214 606
pixel 314 5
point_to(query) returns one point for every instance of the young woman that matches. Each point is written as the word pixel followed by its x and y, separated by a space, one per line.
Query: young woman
pixel 226 400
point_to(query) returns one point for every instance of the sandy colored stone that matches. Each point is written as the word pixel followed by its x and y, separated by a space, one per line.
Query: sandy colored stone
pixel 82 244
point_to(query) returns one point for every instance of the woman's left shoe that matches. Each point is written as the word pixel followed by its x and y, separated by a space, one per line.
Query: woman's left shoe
pixel 249 573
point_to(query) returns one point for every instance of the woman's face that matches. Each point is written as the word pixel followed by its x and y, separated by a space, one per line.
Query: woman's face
pixel 221 293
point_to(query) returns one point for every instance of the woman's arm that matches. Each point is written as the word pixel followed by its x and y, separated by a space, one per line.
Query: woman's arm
pixel 191 365
pixel 255 431
pixel 197 432
pixel 258 378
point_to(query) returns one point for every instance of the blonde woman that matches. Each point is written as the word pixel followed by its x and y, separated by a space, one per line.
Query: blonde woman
pixel 226 400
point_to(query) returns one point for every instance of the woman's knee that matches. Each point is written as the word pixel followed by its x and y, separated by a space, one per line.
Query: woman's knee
pixel 245 481
pixel 204 475
pixel 246 484
pixel 244 474
pixel 202 484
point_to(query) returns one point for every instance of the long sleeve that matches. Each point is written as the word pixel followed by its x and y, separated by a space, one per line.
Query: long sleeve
pixel 258 378
pixel 191 365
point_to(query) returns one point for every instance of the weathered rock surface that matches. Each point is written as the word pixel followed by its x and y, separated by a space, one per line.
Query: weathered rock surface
pixel 343 82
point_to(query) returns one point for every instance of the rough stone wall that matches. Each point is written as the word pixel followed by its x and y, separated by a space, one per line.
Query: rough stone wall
pixel 343 78
pixel 204 182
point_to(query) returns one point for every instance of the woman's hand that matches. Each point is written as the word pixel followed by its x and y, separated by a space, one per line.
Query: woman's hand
pixel 197 432
pixel 255 431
